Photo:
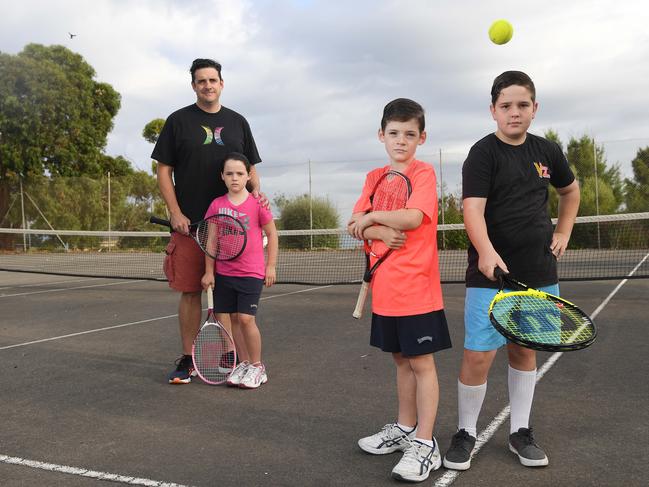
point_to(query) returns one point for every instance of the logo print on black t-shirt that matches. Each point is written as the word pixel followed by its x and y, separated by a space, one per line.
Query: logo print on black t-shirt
pixel 542 170
pixel 212 135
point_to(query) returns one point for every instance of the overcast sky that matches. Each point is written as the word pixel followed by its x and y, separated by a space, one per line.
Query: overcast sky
pixel 312 77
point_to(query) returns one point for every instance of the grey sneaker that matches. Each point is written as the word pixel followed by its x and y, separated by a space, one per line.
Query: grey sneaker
pixel 391 438
pixel 417 462
pixel 458 456
pixel 529 453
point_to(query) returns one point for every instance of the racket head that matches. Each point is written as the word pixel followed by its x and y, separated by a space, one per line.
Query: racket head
pixel 541 321
pixel 213 351
pixel 221 236
pixel 391 192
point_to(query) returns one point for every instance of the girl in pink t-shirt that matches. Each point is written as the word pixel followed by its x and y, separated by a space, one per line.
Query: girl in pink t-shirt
pixel 238 283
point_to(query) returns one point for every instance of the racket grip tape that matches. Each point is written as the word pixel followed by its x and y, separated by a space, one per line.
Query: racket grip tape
pixel 210 298
pixel 360 302
pixel 159 221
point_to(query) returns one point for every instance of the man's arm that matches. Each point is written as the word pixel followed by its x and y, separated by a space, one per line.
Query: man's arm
pixel 476 229
pixel 179 222
pixel 569 197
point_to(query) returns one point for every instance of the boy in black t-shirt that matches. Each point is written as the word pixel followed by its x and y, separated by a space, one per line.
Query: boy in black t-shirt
pixel 505 182
pixel 190 152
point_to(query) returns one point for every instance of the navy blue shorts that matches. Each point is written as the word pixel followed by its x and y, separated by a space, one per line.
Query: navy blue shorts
pixel 233 294
pixel 411 335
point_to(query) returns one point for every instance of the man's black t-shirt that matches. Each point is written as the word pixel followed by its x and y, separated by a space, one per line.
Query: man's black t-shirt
pixel 195 144
pixel 514 179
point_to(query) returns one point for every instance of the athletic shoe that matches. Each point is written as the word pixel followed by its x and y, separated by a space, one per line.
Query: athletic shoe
pixel 391 438
pixel 227 362
pixel 184 371
pixel 529 453
pixel 237 374
pixel 417 462
pixel 254 377
pixel 458 456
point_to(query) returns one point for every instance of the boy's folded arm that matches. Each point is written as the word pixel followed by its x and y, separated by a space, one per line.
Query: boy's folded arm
pixel 404 219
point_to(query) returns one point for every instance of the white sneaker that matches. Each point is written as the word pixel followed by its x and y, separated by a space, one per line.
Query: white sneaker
pixel 254 377
pixel 417 462
pixel 237 374
pixel 391 438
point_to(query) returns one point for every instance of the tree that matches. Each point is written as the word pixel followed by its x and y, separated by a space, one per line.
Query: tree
pixel 151 132
pixel 637 189
pixel 296 214
pixel 54 116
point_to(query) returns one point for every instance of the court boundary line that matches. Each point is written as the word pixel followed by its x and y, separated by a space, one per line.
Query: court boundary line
pixel 84 472
pixel 139 322
pixel 485 435
pixel 72 288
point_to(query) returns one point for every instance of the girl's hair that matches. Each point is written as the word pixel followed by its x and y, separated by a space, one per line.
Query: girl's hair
pixel 237 156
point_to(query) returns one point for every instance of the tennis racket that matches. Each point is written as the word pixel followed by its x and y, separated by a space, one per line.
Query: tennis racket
pixel 213 351
pixel 538 320
pixel 220 236
pixel 390 193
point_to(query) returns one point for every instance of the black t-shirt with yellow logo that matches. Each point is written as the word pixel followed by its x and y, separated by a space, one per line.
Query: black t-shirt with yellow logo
pixel 195 143
pixel 515 179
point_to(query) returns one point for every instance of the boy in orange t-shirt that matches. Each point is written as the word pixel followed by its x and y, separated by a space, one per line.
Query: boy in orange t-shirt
pixel 408 318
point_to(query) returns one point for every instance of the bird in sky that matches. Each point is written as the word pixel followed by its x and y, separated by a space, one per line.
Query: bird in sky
pixel 72 35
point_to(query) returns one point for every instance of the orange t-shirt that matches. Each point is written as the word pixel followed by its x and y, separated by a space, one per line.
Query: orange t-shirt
pixel 408 281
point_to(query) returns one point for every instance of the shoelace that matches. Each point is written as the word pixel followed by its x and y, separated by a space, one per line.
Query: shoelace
pixel 391 432
pixel 459 439
pixel 529 437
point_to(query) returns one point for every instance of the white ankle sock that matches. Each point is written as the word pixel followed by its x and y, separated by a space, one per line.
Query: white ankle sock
pixel 430 443
pixel 469 404
pixel 521 393
pixel 407 429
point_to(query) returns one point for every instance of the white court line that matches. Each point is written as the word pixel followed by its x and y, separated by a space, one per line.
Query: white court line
pixel 485 435
pixel 71 288
pixel 84 472
pixel 92 473
pixel 132 323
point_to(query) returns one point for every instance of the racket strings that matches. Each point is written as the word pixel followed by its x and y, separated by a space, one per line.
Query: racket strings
pixel 390 194
pixel 214 355
pixel 542 321
pixel 221 238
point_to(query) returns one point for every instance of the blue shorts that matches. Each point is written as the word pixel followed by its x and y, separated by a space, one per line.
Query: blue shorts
pixel 479 334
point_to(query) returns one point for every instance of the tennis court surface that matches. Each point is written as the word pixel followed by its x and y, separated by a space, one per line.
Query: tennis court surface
pixel 84 393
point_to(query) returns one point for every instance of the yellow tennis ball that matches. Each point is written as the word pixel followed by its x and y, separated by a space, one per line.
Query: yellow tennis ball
pixel 501 32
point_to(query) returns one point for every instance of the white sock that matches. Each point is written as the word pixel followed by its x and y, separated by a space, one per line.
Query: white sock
pixel 407 429
pixel 469 404
pixel 430 443
pixel 521 392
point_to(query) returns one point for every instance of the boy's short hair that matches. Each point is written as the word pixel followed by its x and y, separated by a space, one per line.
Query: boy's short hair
pixel 402 110
pixel 237 156
pixel 204 63
pixel 510 78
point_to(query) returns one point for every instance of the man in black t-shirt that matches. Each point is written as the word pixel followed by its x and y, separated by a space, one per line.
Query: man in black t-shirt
pixel 505 182
pixel 190 152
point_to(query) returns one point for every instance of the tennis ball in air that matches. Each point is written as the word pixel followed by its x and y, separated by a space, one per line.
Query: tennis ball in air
pixel 501 32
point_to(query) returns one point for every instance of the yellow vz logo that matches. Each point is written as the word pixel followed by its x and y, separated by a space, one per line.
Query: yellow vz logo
pixel 541 170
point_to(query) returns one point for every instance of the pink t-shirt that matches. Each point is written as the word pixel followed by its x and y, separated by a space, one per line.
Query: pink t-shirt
pixel 253 217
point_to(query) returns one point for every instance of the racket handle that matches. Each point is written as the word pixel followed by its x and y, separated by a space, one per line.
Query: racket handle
pixel 160 221
pixel 210 298
pixel 360 302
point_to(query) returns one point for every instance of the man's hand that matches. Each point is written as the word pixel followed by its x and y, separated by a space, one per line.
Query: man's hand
pixel 261 197
pixel 559 244
pixel 180 223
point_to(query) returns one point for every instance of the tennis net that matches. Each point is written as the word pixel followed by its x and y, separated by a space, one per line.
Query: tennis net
pixel 602 247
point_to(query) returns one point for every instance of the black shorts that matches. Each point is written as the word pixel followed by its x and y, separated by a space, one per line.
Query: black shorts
pixel 411 335
pixel 237 294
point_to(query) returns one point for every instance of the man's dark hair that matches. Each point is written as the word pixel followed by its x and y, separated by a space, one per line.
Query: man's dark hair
pixel 204 63
pixel 237 156
pixel 511 78
pixel 402 110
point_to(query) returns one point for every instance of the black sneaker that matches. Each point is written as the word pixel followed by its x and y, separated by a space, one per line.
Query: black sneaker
pixel 184 371
pixel 529 453
pixel 458 456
